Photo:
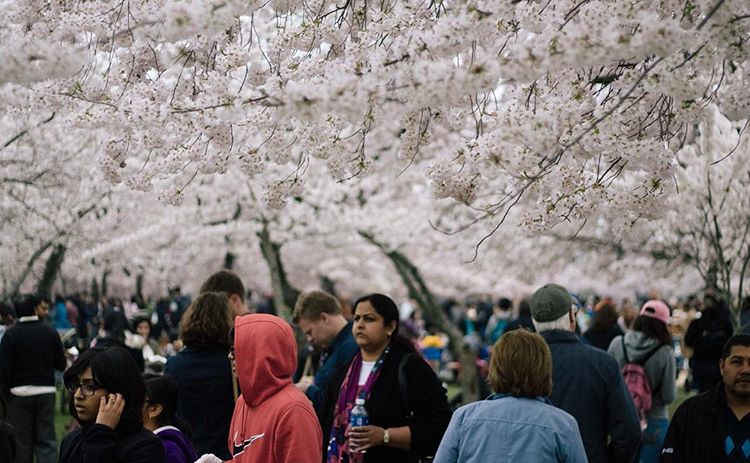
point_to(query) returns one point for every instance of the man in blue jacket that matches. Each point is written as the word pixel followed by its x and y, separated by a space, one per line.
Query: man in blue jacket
pixel 318 314
pixel 586 382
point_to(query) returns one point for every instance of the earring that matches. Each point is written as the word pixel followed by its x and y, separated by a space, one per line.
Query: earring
pixel 389 333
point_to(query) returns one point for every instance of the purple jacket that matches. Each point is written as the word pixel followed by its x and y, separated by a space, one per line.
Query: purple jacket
pixel 177 447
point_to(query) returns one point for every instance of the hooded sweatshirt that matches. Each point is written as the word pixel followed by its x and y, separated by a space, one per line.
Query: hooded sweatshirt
pixel 273 421
pixel 660 368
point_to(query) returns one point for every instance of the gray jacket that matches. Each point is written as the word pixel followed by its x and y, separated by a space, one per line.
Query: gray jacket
pixel 660 368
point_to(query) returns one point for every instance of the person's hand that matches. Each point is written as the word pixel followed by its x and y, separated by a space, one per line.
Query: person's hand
pixel 362 438
pixel 304 383
pixel 110 410
pixel 208 458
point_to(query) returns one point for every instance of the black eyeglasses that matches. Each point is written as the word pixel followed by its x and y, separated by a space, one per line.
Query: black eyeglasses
pixel 88 387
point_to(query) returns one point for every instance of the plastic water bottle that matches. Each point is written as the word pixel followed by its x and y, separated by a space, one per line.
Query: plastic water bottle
pixel 359 417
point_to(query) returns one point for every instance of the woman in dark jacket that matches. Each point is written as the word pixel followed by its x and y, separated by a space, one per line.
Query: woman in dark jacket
pixel 203 373
pixel 406 403
pixel 106 398
pixel 603 327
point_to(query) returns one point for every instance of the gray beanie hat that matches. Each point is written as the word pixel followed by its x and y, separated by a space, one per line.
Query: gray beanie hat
pixel 550 302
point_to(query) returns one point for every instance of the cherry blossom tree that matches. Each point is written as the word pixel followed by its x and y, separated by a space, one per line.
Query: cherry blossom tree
pixel 570 109
pixel 701 238
pixel 554 116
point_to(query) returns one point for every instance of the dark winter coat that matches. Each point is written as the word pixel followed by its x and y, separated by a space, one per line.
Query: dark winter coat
pixel 101 444
pixel 586 382
pixel 601 338
pixel 30 352
pixel 206 398
pixel 696 432
pixel 386 408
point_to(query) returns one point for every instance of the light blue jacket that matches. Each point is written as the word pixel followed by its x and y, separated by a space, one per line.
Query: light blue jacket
pixel 511 429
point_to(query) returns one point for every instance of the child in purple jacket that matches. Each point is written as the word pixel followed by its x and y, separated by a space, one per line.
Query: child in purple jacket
pixel 159 417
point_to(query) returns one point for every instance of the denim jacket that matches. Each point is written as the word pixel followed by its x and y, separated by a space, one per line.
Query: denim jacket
pixel 511 429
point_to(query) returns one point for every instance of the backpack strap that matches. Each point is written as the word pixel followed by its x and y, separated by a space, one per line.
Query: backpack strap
pixel 624 350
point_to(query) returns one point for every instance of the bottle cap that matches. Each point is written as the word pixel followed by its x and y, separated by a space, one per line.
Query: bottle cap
pixel 359 401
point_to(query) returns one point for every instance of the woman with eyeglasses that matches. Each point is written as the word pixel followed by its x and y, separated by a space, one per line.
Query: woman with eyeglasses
pixel 107 394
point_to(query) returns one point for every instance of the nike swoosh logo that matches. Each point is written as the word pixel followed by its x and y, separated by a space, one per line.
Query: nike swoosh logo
pixel 238 448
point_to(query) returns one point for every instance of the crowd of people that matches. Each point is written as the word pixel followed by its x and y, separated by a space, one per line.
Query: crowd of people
pixel 211 380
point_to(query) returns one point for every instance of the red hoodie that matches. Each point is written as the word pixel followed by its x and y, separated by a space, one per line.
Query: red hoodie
pixel 273 421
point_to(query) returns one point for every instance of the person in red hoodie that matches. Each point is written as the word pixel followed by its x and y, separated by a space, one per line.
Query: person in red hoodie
pixel 273 421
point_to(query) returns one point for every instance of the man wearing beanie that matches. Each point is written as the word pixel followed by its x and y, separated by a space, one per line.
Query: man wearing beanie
pixel 586 382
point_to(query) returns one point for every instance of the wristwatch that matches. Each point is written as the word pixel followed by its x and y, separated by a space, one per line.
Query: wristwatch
pixel 386 436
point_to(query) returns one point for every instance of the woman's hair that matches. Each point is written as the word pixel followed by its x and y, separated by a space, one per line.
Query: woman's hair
pixel 162 390
pixel 207 321
pixel 115 325
pixel 113 369
pixel 521 365
pixel 605 317
pixel 387 309
pixel 653 328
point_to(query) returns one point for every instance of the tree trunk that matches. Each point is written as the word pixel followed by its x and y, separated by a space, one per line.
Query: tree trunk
pixel 421 293
pixel 139 287
pixel 284 294
pixel 16 289
pixel 103 287
pixel 229 259
pixel 328 285
pixel 95 290
pixel 63 283
pixel 51 268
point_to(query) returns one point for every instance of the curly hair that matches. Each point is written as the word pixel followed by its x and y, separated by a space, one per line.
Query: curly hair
pixel 207 321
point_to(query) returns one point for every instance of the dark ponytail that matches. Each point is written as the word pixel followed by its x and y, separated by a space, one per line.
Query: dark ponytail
pixel 162 390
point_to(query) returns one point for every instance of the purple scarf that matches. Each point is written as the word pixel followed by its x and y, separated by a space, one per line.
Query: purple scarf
pixel 338 446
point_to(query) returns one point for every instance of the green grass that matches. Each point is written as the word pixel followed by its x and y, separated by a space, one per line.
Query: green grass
pixel 62 418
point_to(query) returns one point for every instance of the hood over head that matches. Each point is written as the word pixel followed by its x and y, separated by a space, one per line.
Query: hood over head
pixel 266 354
